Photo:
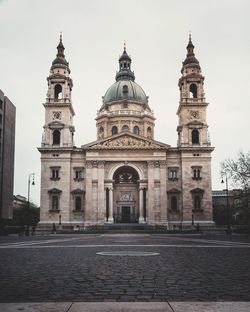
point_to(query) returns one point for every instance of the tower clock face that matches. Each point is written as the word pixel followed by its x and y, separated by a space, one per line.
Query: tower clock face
pixel 194 114
pixel 57 115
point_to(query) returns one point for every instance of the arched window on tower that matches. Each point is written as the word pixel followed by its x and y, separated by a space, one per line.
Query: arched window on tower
pixel 193 91
pixel 114 130
pixel 125 128
pixel 136 130
pixel 58 91
pixel 56 137
pixel 195 136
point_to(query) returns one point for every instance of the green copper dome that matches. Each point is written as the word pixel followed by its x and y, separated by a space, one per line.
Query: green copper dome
pixel 127 90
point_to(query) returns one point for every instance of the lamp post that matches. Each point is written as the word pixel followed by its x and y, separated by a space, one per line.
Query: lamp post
pixel 228 208
pixel 31 176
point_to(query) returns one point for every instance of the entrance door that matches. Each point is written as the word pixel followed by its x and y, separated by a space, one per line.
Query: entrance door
pixel 125 214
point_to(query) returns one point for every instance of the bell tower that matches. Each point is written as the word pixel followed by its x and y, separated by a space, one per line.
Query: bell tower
pixel 192 129
pixel 59 112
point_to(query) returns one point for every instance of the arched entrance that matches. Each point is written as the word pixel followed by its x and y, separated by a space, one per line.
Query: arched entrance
pixel 126 195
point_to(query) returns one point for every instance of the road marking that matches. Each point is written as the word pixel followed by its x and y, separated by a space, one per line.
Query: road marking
pixel 122 245
pixel 49 241
pixel 205 240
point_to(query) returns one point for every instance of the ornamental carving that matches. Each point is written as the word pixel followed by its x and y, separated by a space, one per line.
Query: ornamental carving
pixel 88 164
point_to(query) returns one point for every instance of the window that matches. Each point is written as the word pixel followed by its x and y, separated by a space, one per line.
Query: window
pixel 78 174
pixel 78 200
pixel 172 174
pixel 1 104
pixel 114 130
pixel 54 197
pixel 174 202
pixel 136 130
pixel 1 119
pixel 55 173
pixel 196 173
pixel 125 89
pixel 58 91
pixel 195 136
pixel 56 137
pixel 125 128
pixel 197 202
pixel 193 91
pixel 197 195
pixel 55 202
pixel 78 203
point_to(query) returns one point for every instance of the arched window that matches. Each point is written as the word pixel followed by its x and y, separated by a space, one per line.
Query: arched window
pixel 56 137
pixel 195 136
pixel 125 128
pixel 149 133
pixel 114 130
pixel 193 91
pixel 197 202
pixel 58 91
pixel 125 89
pixel 78 203
pixel 136 130
pixel 173 203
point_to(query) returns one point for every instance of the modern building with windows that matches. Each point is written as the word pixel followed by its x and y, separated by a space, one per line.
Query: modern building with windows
pixel 7 156
pixel 126 175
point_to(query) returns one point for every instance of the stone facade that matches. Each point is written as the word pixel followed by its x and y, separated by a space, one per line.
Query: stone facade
pixel 126 176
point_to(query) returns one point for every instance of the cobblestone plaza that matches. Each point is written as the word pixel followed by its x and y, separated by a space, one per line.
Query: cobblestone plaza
pixel 149 268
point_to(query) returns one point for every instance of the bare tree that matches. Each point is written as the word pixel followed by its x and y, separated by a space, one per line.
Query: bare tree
pixel 238 170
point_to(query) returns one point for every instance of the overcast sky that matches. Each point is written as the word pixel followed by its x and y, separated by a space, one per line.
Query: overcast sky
pixel 156 33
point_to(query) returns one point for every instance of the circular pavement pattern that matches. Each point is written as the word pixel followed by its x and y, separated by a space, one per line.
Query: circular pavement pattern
pixel 127 253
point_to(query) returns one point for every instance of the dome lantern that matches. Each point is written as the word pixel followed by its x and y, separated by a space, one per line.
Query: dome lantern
pixel 60 57
pixel 125 72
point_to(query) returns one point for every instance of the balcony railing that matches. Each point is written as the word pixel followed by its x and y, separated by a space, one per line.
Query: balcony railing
pixel 125 112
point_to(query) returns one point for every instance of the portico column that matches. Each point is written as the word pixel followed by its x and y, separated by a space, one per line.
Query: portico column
pixel 111 218
pixel 141 218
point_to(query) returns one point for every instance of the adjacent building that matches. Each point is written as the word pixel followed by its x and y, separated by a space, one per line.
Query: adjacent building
pixel 126 175
pixel 7 155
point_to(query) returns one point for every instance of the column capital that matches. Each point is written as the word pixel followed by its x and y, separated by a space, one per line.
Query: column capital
pixel 163 163
pixel 89 164
pixel 101 164
pixel 151 164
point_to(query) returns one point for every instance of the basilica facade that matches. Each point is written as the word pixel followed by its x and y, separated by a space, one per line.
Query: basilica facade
pixel 126 175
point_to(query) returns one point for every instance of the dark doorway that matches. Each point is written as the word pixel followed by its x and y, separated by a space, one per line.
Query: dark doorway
pixel 125 214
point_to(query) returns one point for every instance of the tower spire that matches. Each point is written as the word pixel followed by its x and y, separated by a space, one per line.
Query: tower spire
pixel 60 48
pixel 190 57
pixel 60 57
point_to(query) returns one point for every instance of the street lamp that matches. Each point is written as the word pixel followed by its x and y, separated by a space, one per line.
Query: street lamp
pixel 228 208
pixel 31 176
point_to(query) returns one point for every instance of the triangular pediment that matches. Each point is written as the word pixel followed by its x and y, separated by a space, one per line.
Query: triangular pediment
pixel 126 141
